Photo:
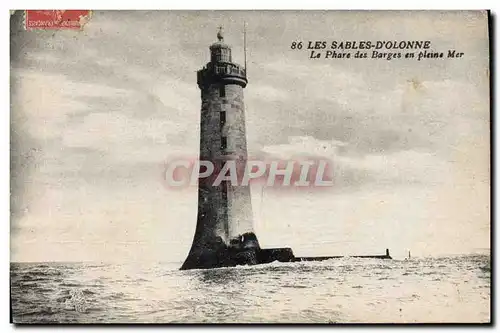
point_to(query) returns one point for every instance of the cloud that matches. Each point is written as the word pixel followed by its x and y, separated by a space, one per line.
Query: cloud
pixel 124 137
pixel 360 172
pixel 398 117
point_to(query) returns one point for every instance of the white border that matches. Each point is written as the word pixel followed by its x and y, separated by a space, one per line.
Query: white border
pixel 185 4
pixel 254 4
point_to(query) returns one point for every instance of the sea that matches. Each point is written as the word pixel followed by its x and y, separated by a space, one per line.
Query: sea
pixel 452 289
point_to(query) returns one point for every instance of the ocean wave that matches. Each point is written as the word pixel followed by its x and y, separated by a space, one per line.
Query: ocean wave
pixel 334 290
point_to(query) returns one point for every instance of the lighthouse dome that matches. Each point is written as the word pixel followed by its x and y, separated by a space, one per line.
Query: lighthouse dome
pixel 219 51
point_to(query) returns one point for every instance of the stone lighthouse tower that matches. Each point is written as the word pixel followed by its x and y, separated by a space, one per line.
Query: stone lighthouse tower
pixel 224 232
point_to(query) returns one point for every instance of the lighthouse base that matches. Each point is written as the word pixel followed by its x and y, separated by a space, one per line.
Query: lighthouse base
pixel 243 250
pixel 218 255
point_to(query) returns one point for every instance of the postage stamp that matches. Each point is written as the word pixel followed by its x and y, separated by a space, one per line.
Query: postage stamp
pixel 55 19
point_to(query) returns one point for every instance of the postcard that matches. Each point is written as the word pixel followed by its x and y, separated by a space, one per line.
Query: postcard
pixel 326 167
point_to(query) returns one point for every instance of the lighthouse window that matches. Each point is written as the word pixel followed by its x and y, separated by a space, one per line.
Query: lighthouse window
pixel 223 143
pixel 222 91
pixel 224 189
pixel 222 118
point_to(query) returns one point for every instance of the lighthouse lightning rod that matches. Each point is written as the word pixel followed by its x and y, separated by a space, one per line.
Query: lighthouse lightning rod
pixel 245 43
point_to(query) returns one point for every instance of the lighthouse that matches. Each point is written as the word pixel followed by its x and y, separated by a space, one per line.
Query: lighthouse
pixel 224 233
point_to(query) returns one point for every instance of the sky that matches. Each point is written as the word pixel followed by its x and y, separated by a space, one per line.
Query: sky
pixel 96 113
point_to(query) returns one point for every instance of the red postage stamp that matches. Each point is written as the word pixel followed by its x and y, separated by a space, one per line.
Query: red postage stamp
pixel 56 19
